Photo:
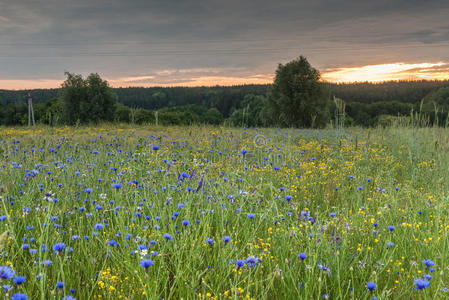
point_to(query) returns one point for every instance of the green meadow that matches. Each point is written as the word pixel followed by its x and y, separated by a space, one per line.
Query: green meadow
pixel 125 212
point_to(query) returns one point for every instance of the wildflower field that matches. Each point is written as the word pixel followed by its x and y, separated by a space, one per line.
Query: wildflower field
pixel 222 213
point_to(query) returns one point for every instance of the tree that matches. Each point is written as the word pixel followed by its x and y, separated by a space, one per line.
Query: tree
pixel 87 100
pixel 73 93
pixel 297 98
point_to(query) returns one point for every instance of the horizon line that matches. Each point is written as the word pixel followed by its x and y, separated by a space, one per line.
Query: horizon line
pixel 374 82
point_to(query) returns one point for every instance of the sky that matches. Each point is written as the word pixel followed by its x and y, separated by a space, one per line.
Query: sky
pixel 211 42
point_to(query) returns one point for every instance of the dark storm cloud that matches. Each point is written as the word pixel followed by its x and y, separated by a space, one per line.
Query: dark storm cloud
pixel 122 39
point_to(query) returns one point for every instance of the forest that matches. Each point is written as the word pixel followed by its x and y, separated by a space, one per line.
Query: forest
pixel 366 104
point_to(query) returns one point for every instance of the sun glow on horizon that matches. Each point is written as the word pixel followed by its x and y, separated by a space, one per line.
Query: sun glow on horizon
pixel 211 77
pixel 389 72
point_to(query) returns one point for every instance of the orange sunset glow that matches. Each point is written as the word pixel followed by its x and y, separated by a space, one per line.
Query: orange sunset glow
pixel 370 73
pixel 389 72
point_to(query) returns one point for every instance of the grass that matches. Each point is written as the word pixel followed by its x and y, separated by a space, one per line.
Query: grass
pixel 275 193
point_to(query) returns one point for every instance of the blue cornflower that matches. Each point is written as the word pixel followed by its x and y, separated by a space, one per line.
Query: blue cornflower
pixel 60 285
pixel 146 263
pixel 333 215
pixel 47 263
pixel 19 296
pixel 69 297
pixel 117 186
pixel 226 239
pixel 302 256
pixel 390 245
pixel 324 268
pixel 250 216
pixel 391 228
pixel 155 148
pixel 371 286
pixel 288 198
pixel 19 280
pixel 421 284
pixel 210 241
pixel 244 151
pixel 58 247
pixel 113 243
pixel 88 190
pixel 98 226
pixel 253 261
pixel 186 223
pixel 168 237
pixel 7 288
pixel 428 262
pixel 428 277
pixel 241 263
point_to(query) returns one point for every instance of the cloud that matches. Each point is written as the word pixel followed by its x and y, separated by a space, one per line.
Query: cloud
pixel 125 39
pixel 192 77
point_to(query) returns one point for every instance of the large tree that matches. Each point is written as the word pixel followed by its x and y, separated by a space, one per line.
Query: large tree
pixel 297 97
pixel 87 100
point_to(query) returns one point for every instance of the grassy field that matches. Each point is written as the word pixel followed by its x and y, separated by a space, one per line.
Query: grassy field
pixel 220 213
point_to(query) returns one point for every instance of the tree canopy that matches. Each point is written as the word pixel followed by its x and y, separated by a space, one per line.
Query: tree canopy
pixel 87 100
pixel 297 98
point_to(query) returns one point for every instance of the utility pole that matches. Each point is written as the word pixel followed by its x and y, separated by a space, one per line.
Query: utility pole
pixel 30 110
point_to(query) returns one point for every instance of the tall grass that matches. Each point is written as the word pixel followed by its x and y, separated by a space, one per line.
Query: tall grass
pixel 274 193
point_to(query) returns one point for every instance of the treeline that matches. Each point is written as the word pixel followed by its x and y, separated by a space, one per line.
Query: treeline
pixel 399 91
pixel 367 104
